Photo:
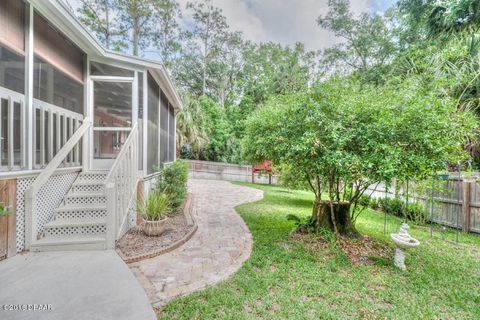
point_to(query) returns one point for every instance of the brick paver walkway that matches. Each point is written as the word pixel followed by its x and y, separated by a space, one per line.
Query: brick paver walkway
pixel 218 249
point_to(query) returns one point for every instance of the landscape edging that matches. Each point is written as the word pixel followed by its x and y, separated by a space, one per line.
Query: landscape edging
pixel 187 209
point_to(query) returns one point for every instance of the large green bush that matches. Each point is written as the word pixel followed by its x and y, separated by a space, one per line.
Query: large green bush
pixel 173 182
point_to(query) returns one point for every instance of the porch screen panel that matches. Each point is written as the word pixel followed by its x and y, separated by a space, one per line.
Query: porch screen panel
pixel 55 49
pixel 171 133
pixel 152 126
pixel 164 130
pixel 101 69
pixel 58 68
pixel 12 24
pixel 12 47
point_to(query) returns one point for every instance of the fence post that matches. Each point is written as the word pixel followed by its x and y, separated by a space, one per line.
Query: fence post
pixel 466 208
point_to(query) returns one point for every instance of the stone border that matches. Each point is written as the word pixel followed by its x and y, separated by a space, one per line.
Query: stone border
pixel 187 209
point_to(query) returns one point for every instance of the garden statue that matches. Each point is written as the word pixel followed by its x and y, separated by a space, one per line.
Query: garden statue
pixel 403 241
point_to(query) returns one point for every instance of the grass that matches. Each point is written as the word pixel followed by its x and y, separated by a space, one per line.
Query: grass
pixel 283 279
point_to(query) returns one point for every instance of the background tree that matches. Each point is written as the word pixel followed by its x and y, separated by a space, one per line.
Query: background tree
pixel 167 35
pixel 135 18
pixel 210 31
pixel 368 43
pixel 99 17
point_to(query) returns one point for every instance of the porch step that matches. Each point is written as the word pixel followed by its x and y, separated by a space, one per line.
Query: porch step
pixel 80 223
pixel 84 198
pixel 81 211
pixel 66 243
pixel 88 186
pixel 92 176
pixel 85 223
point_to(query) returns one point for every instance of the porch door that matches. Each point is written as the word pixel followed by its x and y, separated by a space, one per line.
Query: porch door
pixel 113 118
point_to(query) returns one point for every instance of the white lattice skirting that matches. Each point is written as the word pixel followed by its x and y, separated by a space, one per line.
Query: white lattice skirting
pixel 49 198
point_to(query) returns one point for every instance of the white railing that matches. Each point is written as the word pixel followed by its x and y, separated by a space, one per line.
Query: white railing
pixel 12 130
pixel 121 186
pixel 31 231
pixel 55 127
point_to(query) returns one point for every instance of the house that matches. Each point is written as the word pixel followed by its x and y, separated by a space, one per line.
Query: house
pixel 82 129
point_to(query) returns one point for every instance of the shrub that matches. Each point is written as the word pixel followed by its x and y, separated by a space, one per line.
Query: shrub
pixel 366 201
pixel 156 206
pixel 173 182
pixel 291 178
pixel 416 212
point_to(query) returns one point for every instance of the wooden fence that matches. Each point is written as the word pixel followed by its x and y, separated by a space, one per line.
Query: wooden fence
pixel 456 201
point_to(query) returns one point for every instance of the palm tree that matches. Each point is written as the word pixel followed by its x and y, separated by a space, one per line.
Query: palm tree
pixel 191 127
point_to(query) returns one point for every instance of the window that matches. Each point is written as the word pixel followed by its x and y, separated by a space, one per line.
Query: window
pixel 153 116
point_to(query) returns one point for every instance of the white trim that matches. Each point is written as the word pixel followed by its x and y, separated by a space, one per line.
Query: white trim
pixel 145 122
pixel 34 173
pixel 30 109
pixel 39 104
pixel 112 128
pixel 112 79
pixel 117 63
pixel 135 99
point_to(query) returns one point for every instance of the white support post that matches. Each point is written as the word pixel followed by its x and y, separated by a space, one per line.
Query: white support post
pixel 50 135
pixel 10 133
pixel 29 108
pixel 87 140
pixel 59 141
pixel 145 122
pixel 42 137
pixel 23 136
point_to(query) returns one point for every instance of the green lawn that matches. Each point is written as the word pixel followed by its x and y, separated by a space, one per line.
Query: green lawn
pixel 285 280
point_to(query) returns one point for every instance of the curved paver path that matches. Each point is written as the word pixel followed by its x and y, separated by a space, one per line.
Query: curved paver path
pixel 218 249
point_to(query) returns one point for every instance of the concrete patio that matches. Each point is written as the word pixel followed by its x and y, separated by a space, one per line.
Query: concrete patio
pixel 78 285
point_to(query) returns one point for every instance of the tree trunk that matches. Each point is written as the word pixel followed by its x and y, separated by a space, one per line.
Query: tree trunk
pixel 322 218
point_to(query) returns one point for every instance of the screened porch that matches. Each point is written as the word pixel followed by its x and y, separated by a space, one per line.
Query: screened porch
pixel 49 85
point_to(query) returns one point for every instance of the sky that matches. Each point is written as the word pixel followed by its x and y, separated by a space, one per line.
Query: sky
pixel 286 21
pixel 282 21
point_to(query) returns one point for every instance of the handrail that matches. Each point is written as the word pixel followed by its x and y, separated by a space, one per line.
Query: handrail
pixel 31 192
pixel 121 154
pixel 120 185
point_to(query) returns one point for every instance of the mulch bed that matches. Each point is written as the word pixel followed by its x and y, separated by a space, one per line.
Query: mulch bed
pixel 135 242
pixel 362 251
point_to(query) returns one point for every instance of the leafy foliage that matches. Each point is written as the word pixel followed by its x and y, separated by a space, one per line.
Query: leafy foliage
pixel 156 206
pixel 173 183
pixel 345 137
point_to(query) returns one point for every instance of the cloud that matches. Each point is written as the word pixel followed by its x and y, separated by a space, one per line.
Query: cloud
pixel 286 21
pixel 283 21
